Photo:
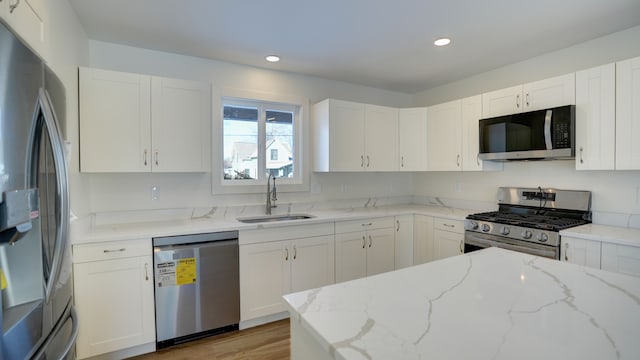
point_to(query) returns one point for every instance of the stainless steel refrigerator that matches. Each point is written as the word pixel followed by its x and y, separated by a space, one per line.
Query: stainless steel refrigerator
pixel 38 319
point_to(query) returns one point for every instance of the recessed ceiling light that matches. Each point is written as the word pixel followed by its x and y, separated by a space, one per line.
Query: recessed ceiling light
pixel 442 42
pixel 272 58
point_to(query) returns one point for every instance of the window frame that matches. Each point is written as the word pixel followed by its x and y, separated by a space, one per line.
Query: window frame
pixel 300 152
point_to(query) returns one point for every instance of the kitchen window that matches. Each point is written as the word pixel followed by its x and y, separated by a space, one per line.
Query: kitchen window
pixel 259 139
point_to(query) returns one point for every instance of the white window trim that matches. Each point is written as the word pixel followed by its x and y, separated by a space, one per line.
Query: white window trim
pixel 302 151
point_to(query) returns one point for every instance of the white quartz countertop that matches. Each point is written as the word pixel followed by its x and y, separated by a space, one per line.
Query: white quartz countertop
pixel 224 223
pixel 610 234
pixel 489 304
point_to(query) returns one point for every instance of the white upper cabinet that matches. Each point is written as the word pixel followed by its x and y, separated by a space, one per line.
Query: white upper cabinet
pixel 139 123
pixel 471 114
pixel 412 139
pixel 380 138
pixel 548 93
pixel 27 19
pixel 444 139
pixel 350 136
pixel 596 118
pixel 628 114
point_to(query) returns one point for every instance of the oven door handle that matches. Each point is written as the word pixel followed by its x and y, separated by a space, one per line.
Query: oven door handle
pixel 480 241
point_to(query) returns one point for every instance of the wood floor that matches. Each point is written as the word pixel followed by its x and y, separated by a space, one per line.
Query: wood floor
pixel 266 342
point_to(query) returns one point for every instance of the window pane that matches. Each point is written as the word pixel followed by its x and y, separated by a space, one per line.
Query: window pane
pixel 240 141
pixel 279 142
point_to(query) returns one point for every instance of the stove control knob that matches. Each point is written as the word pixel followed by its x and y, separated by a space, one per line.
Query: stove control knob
pixel 526 234
pixel 486 227
pixel 542 237
pixel 505 230
pixel 472 225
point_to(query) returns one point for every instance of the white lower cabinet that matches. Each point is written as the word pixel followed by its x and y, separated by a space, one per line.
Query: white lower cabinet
pixel 448 238
pixel 580 251
pixel 422 239
pixel 113 291
pixel 274 268
pixel 621 258
pixel 364 248
pixel 404 241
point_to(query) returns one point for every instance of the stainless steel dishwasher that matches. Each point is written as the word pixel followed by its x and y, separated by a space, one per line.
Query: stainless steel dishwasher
pixel 197 286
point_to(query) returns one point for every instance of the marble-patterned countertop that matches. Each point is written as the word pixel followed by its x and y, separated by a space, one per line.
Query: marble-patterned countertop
pixel 605 233
pixel 489 304
pixel 205 224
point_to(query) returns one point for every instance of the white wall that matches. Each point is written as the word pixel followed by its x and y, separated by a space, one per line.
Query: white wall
pixel 616 194
pixel 115 192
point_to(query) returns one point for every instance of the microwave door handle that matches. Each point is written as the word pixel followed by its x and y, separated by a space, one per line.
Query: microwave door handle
pixel 547 130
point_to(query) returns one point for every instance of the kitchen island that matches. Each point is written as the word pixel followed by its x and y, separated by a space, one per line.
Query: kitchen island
pixel 489 304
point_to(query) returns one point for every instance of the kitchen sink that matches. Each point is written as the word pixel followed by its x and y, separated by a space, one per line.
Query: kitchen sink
pixel 271 218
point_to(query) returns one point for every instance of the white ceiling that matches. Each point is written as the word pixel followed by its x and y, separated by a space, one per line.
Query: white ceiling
pixel 381 43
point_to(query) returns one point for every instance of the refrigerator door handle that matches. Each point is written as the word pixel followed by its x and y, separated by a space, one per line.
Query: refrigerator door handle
pixel 70 313
pixel 62 191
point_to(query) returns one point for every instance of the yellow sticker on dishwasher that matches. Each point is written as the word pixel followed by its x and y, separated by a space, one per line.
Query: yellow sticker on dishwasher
pixel 186 271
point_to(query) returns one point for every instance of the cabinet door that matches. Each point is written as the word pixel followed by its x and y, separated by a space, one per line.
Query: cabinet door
pixel 404 241
pixel 312 262
pixel 351 256
pixel 596 118
pixel 423 239
pixel 580 251
pixel 381 138
pixel 380 251
pixel 412 135
pixel 502 102
pixel 115 121
pixel 628 114
pixel 114 300
pixel 447 244
pixel 26 18
pixel 471 115
pixel 346 133
pixel 264 277
pixel 548 93
pixel 181 113
pixel 621 258
pixel 444 136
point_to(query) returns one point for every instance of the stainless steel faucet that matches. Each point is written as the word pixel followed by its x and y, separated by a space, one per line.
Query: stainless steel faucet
pixel 271 194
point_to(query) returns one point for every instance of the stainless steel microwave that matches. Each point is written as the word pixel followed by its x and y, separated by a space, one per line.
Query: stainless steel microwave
pixel 536 135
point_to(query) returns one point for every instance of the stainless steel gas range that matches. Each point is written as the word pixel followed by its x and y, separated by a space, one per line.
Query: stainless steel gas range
pixel 528 220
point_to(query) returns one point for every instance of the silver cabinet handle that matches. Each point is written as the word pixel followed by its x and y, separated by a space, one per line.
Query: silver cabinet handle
pixel 518 101
pixel 478 159
pixel 13 7
pixel 364 242
pixel 458 160
pixel 367 224
pixel 402 161
pixel 361 160
pixel 449 225
pixel 527 100
pixel 286 256
pixel 146 271
pixel 397 225
pixel 566 251
pixel 370 241
pixel 145 157
pixel 461 247
pixel 368 161
pixel 116 250
pixel 295 252
pixel 156 158
pixel 581 158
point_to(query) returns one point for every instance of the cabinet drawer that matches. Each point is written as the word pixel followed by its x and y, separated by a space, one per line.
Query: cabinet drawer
pixel 364 224
pixel 284 233
pixel 456 226
pixel 110 250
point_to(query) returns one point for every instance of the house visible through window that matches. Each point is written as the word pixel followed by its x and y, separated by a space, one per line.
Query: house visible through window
pixel 258 140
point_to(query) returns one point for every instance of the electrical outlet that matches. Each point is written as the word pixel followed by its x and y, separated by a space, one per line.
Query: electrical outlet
pixel 155 193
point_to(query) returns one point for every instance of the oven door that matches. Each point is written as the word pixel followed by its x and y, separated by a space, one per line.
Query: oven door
pixel 476 241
